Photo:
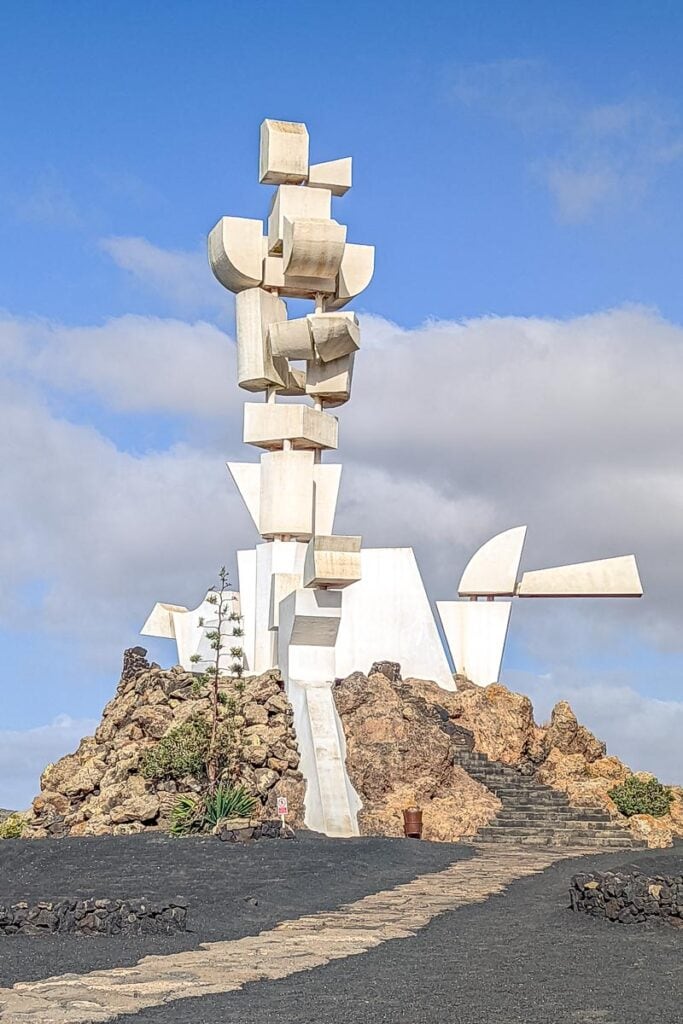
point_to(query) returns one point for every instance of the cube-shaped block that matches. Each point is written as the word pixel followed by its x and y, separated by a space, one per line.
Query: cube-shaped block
pixel 312 247
pixel 293 202
pixel 292 339
pixel 236 252
pixel 255 310
pixel 295 287
pixel 267 425
pixel 334 334
pixel 283 154
pixel 311 618
pixel 287 495
pixel 330 382
pixel 333 174
pixel 332 562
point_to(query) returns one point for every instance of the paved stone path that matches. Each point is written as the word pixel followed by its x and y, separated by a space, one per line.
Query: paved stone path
pixel 292 946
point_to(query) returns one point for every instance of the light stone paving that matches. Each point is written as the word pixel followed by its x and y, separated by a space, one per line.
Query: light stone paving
pixel 291 947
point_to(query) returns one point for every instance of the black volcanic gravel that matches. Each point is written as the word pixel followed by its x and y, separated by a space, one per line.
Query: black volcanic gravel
pixel 519 958
pixel 232 890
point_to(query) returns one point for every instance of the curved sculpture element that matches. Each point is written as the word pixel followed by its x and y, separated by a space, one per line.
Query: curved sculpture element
pixel 492 570
pixel 355 274
pixel 236 252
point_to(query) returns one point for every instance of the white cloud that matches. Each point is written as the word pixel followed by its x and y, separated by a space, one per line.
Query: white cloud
pixel 108 532
pixel 134 364
pixel 24 753
pixel 454 432
pixel 183 278
pixel 589 155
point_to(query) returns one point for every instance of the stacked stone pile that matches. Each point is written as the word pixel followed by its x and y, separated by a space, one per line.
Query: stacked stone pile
pixel 628 897
pixel 94 917
pixel 100 789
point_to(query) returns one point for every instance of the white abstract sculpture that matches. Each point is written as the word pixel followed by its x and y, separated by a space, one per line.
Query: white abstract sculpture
pixel 312 603
pixel 476 632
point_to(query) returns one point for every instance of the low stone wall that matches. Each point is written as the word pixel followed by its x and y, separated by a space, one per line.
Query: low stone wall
pixel 94 917
pixel 628 897
pixel 249 831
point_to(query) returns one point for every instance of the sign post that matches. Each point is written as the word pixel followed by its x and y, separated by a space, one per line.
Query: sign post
pixel 282 809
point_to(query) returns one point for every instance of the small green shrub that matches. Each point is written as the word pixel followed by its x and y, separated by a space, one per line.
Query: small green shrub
pixel 182 751
pixel 187 816
pixel 227 802
pixel 12 827
pixel 636 796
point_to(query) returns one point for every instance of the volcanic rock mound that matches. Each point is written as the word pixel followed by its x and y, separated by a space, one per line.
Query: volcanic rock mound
pixel 100 789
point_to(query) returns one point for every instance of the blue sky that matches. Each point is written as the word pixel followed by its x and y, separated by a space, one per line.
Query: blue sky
pixel 519 168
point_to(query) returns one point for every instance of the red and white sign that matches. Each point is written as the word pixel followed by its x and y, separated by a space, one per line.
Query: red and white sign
pixel 282 806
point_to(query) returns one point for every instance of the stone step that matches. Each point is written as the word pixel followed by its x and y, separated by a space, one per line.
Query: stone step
pixel 524 789
pixel 508 786
pixel 597 842
pixel 536 821
pixel 513 780
pixel 550 829
pixel 515 796
pixel 556 813
pixel 522 784
pixel 599 845
pixel 562 822
pixel 488 773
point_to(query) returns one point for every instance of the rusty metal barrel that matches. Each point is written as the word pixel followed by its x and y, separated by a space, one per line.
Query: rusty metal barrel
pixel 412 822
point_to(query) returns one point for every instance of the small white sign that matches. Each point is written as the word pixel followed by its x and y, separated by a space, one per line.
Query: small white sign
pixel 282 806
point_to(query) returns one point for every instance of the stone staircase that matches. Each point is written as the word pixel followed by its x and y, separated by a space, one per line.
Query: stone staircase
pixel 536 815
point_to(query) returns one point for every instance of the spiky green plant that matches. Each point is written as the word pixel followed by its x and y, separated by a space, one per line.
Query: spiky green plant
pixel 187 816
pixel 227 802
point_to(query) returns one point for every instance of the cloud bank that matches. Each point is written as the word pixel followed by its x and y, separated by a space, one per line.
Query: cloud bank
pixel 113 492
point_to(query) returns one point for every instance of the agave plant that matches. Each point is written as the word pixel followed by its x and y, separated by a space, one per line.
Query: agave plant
pixel 187 816
pixel 227 802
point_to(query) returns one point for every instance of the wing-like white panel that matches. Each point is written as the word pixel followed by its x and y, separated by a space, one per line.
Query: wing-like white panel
pixel 492 570
pixel 160 620
pixel 476 632
pixel 247 477
pixel 608 577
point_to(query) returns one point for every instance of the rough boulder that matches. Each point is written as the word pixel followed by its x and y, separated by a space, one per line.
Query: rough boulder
pixel 399 752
